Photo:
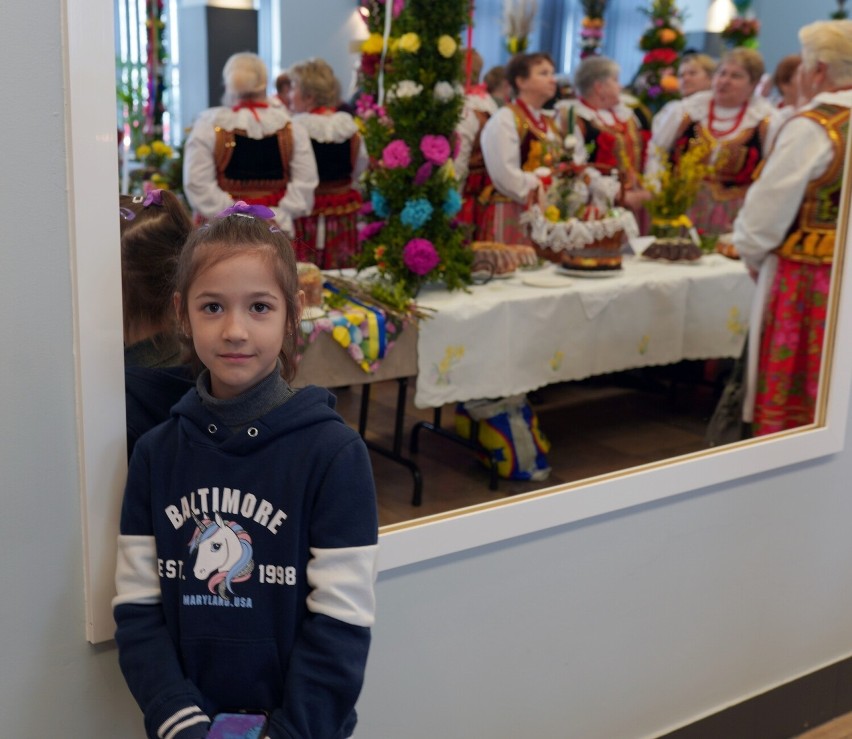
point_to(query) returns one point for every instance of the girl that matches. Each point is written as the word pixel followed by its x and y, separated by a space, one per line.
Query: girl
pixel 249 528
pixel 154 227
pixel 328 236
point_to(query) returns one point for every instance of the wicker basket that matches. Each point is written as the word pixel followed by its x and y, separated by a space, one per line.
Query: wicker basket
pixel 607 248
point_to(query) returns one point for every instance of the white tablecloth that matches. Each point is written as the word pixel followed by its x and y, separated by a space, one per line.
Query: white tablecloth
pixel 506 337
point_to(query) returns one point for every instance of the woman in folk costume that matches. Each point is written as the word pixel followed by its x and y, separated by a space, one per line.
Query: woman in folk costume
pixel 518 139
pixel 469 162
pixel 605 132
pixel 328 236
pixel 249 150
pixel 786 233
pixel 734 122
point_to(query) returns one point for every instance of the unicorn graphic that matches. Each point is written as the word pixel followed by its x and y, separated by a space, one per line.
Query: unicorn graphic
pixel 224 553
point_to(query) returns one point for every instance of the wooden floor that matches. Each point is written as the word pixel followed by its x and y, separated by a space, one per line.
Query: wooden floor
pixel 595 426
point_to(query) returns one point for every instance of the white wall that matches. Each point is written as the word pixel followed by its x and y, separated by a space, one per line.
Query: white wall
pixel 619 627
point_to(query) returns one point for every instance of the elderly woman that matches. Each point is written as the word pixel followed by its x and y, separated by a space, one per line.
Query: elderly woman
pixel 607 133
pixel 249 149
pixel 734 122
pixel 516 141
pixel 786 232
pixel 328 236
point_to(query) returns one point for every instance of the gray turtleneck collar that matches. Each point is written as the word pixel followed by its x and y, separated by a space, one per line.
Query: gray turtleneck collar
pixel 237 413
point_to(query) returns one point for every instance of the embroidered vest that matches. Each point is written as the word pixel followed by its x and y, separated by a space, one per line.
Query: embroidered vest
pixel 812 233
pixel 537 148
pixel 735 160
pixel 620 146
pixel 253 169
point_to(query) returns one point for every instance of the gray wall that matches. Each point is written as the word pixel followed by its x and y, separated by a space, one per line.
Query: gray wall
pixel 619 627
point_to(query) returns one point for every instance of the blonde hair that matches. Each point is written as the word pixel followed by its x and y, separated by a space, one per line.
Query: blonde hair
pixel 703 61
pixel 316 81
pixel 244 77
pixel 749 59
pixel 829 42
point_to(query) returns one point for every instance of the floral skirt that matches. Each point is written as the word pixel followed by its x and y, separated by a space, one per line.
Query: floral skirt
pixel 500 221
pixel 329 236
pixel 791 347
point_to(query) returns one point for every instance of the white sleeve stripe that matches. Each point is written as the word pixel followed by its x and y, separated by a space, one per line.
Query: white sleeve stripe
pixel 341 582
pixel 184 717
pixel 186 724
pixel 136 577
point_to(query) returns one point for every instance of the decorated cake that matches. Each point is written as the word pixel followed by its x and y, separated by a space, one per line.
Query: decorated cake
pixel 503 258
pixel 674 249
pixel 580 228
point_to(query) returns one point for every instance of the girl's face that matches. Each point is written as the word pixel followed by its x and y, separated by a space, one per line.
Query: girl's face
pixel 237 320
pixel 693 78
pixel 540 86
pixel 732 86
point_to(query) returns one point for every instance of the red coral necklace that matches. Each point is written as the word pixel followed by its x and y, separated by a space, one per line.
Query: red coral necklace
pixel 711 117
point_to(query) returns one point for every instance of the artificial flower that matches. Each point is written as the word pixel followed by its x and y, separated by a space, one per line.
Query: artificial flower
pixel 142 151
pixel 452 202
pixel 447 46
pixel 373 44
pixel 416 213
pixel 436 149
pixel 380 204
pixel 409 42
pixel 396 154
pixel 420 256
pixel 444 92
pixel 667 35
pixel 369 230
pixel 424 172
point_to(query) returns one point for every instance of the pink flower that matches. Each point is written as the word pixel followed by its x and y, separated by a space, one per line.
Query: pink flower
pixel 396 154
pixel 423 173
pixel 420 256
pixel 436 149
pixel 367 231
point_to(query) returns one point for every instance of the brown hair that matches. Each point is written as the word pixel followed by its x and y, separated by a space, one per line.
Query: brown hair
pixel 786 70
pixel 521 66
pixel 494 77
pixel 151 240
pixel 227 237
pixel 475 65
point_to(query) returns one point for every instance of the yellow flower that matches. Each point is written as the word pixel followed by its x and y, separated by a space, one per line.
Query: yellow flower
pixel 551 213
pixel 158 147
pixel 409 42
pixel 143 151
pixel 373 44
pixel 341 335
pixel 448 171
pixel 447 46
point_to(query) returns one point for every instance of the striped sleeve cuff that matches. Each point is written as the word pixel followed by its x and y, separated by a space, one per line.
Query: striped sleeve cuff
pixel 187 723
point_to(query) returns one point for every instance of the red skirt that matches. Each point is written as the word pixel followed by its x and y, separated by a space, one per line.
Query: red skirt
pixel 329 236
pixel 791 347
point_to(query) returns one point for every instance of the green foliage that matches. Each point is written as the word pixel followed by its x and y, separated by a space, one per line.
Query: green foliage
pixel 422 71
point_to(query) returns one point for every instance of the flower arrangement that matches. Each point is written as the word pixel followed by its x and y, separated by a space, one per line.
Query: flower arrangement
pixel 656 83
pixel 841 13
pixel 408 231
pixel 674 187
pixel 742 32
pixel 518 16
pixel 159 167
pixel 591 32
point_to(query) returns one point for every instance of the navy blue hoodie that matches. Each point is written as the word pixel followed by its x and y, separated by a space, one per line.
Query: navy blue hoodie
pixel 246 564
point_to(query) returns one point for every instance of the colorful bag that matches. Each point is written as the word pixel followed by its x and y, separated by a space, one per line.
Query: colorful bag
pixel 508 426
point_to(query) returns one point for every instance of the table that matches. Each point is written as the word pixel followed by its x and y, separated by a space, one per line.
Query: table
pixel 506 337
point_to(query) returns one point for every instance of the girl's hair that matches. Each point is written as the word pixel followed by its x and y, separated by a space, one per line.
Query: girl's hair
pixel 702 61
pixel 244 76
pixel 594 69
pixel 521 66
pixel 223 238
pixel 749 59
pixel 151 239
pixel 316 81
pixel 829 42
